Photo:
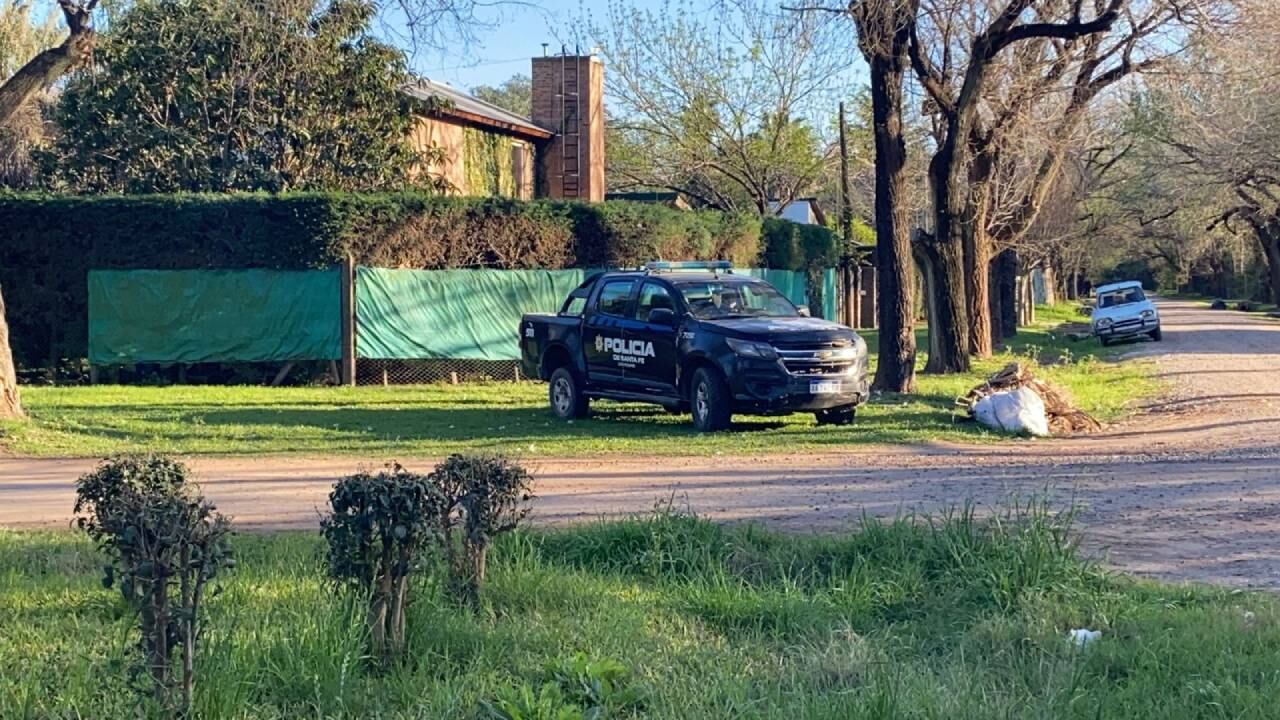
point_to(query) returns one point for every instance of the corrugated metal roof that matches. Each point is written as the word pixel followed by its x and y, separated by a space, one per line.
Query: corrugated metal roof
pixel 473 108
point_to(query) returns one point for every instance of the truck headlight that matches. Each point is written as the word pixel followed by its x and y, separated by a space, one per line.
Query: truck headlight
pixel 747 348
pixel 1105 322
pixel 1148 313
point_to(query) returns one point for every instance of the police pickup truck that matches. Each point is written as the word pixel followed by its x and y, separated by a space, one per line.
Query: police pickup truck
pixel 694 337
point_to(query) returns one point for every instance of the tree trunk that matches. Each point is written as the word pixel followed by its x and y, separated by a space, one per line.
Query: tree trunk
pixel 895 369
pixel 1268 234
pixel 10 407
pixel 1006 287
pixel 927 260
pixel 948 319
pixel 396 616
pixel 949 353
pixel 995 309
pixel 1050 283
pixel 977 270
pixel 977 256
pixel 46 67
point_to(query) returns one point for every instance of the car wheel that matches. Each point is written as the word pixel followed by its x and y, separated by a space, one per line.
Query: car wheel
pixel 709 401
pixel 1157 335
pixel 566 397
pixel 842 415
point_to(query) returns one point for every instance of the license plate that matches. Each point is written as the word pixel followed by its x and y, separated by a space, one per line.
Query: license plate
pixel 824 388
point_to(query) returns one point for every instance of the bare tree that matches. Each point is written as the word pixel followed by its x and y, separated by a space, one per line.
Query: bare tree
pixel 954 49
pixel 1215 118
pixel 729 107
pixel 51 64
pixel 1033 120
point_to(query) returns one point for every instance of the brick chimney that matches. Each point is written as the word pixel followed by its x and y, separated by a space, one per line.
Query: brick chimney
pixel 568 97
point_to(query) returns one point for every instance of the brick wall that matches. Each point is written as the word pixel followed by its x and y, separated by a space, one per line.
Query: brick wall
pixel 571 165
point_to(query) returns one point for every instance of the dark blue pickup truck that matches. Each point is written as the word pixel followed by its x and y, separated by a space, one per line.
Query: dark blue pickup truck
pixel 694 338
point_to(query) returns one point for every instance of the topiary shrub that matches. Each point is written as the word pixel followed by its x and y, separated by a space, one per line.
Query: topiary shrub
pixel 165 544
pixel 379 530
pixel 483 496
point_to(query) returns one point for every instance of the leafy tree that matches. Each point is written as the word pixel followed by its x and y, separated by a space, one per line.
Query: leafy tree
pixel 221 95
pixel 515 94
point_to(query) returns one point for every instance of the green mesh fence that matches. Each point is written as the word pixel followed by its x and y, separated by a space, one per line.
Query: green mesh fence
pixel 446 322
pixel 455 314
pixel 194 316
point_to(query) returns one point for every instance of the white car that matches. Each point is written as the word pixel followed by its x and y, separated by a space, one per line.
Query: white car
pixel 1124 311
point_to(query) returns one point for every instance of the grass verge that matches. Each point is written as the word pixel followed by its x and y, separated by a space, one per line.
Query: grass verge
pixel 949 618
pixel 435 420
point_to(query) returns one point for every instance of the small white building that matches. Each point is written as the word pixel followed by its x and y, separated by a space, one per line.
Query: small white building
pixel 804 211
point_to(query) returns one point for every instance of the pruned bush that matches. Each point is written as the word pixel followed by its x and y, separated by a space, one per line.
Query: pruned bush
pixel 165 543
pixel 379 531
pixel 484 496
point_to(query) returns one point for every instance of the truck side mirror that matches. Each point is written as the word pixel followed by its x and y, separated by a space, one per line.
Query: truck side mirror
pixel 662 316
pixel 803 310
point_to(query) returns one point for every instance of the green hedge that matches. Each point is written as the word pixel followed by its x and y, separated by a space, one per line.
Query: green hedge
pixel 48 243
pixel 790 246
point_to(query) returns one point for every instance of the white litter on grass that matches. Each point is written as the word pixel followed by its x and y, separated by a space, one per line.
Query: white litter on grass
pixel 1015 411
pixel 1081 637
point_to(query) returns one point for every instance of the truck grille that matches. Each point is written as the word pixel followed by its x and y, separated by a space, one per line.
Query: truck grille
pixel 830 359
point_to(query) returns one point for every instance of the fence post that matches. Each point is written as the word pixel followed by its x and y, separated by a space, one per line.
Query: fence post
pixel 348 282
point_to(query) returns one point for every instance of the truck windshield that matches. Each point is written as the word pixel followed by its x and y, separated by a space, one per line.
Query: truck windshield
pixel 1121 297
pixel 714 299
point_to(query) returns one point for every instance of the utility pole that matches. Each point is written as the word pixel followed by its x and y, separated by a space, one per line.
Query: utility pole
pixel 849 269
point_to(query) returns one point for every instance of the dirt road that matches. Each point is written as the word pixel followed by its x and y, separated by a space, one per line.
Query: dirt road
pixel 1187 490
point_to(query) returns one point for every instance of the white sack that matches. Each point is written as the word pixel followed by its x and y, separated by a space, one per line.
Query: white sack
pixel 1014 411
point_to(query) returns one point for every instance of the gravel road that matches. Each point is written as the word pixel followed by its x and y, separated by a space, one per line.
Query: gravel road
pixel 1188 489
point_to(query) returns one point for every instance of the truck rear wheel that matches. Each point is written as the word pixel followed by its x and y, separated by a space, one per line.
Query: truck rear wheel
pixel 566 396
pixel 709 401
pixel 842 415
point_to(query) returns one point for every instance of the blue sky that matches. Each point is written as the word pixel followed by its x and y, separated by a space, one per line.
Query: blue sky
pixel 505 49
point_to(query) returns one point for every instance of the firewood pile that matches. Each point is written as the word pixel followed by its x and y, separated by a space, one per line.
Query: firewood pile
pixel 1064 417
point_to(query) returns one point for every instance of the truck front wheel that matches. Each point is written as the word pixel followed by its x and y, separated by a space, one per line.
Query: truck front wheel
pixel 709 401
pixel 566 396
pixel 1156 335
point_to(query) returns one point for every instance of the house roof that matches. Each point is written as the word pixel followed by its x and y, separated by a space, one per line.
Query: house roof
pixel 474 110
pixel 1122 285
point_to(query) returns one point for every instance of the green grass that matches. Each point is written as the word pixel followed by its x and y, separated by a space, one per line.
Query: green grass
pixel 954 619
pixel 434 420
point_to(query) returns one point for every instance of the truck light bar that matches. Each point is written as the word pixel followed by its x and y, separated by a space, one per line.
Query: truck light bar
pixel 712 265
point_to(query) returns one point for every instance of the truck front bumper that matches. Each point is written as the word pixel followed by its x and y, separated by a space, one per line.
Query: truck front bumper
pixel 1127 328
pixel 766 388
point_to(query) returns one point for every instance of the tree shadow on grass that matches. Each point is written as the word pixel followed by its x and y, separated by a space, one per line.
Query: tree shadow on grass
pixel 432 427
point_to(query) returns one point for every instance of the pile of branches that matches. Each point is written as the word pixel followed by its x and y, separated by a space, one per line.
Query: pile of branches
pixel 1064 417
